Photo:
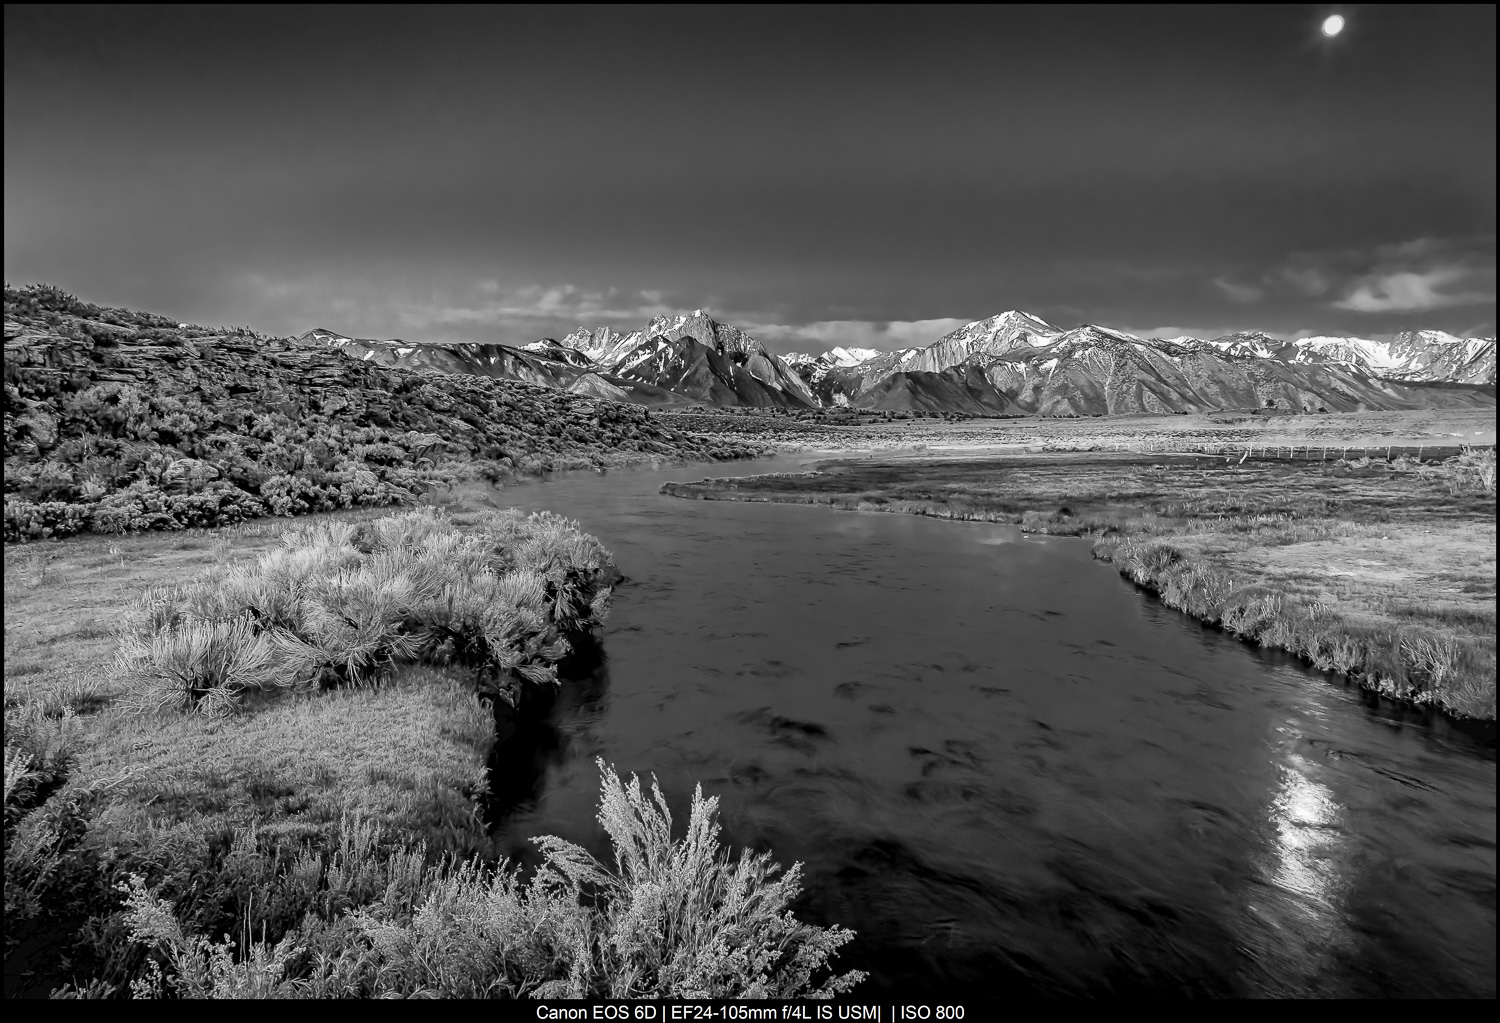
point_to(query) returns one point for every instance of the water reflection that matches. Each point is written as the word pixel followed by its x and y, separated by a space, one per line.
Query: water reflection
pixel 1307 822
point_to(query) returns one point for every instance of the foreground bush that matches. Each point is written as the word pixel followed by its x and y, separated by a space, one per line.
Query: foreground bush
pixel 342 603
pixel 671 918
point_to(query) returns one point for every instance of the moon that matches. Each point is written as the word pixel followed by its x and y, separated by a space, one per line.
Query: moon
pixel 1333 25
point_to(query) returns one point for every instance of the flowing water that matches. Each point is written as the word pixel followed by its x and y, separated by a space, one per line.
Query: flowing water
pixel 1009 770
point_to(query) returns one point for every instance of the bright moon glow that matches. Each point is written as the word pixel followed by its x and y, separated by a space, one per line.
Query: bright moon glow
pixel 1333 25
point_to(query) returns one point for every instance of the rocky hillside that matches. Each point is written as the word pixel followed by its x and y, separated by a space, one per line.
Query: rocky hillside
pixel 117 420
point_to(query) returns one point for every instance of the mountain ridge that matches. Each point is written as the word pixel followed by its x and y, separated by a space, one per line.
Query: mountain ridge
pixel 1030 365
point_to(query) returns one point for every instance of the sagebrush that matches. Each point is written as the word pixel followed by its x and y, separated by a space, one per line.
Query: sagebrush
pixel 671 918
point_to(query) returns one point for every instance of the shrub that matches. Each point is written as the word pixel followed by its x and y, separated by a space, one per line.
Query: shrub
pixel 25 520
pixel 205 664
pixel 671 918
pixel 680 919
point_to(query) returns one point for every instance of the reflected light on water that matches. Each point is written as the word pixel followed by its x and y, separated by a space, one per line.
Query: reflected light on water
pixel 1308 832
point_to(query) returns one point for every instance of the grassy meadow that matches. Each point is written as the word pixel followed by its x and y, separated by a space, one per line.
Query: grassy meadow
pixel 1381 571
pixel 839 430
pixel 251 762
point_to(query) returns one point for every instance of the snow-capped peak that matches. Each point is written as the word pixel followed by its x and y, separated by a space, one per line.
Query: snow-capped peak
pixel 850 356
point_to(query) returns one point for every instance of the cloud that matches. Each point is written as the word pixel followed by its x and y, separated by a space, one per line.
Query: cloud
pixel 884 335
pixel 1171 332
pixel 525 306
pixel 1307 280
pixel 483 310
pixel 1407 276
pixel 1407 290
pixel 1243 293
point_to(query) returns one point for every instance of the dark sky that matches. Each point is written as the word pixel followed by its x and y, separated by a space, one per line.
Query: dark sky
pixel 818 176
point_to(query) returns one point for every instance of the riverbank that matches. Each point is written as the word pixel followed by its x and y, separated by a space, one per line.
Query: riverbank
pixel 1384 572
pixel 286 738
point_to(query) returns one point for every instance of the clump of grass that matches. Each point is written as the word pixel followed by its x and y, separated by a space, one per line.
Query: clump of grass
pixel 42 739
pixel 671 918
pixel 342 603
pixel 1472 472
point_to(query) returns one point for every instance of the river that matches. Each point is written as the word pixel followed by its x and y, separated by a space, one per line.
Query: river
pixel 1009 770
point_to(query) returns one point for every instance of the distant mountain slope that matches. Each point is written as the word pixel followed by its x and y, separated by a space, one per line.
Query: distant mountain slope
pixel 843 357
pixel 699 358
pixel 674 360
pixel 958 389
pixel 1425 355
pixel 835 378
pixel 1437 355
pixel 994 336
pixel 685 366
pixel 1093 370
pixel 546 363
pixel 545 369
pixel 116 420
pixel 551 348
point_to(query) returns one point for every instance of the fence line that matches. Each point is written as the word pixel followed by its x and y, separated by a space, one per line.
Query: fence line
pixel 1300 452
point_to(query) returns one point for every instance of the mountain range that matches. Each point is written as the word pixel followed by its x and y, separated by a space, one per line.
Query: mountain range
pixel 686 359
pixel 1012 363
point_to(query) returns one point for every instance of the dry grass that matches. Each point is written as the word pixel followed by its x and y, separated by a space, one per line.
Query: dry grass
pixel 1447 427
